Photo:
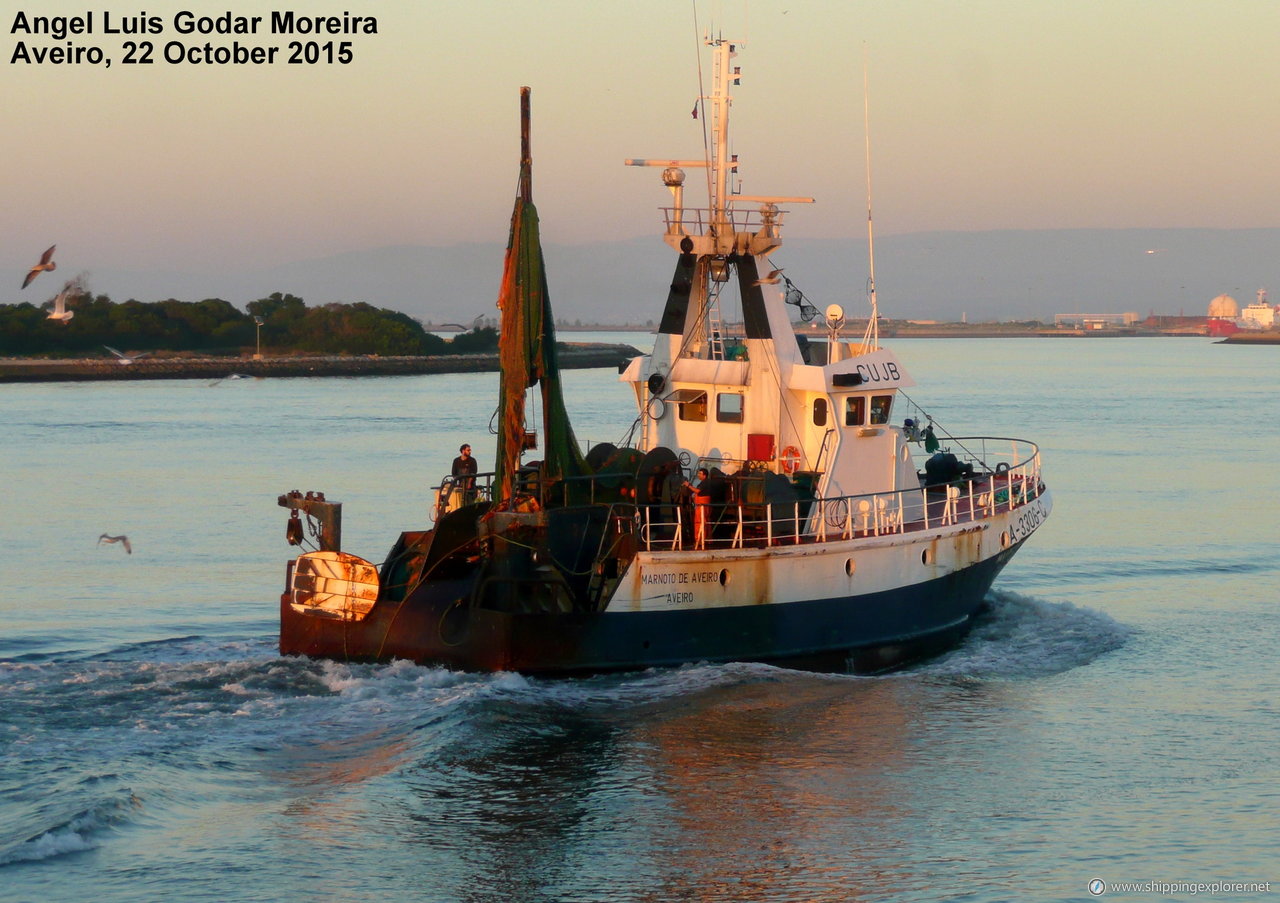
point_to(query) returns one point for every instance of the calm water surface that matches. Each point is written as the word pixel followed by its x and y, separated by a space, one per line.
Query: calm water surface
pixel 1114 716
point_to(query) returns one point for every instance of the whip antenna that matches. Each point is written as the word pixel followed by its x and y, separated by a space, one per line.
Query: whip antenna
pixel 871 339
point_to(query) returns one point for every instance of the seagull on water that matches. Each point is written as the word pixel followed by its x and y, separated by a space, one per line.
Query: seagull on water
pixel 123 540
pixel 771 279
pixel 46 263
pixel 125 359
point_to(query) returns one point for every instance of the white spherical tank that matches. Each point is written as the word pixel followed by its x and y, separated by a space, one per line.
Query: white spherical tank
pixel 1224 307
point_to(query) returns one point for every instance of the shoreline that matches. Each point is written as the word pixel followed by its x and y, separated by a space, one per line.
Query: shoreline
pixel 1252 338
pixel 572 356
pixel 15 370
pixel 897 330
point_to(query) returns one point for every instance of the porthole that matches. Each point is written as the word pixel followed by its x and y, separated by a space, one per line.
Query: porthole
pixel 849 566
pixel 926 557
pixel 724 576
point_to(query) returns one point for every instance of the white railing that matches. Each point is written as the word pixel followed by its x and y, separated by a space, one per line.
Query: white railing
pixel 698 220
pixel 992 488
pixel 1005 475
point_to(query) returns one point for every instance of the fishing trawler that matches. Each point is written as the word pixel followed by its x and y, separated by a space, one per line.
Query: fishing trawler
pixel 777 507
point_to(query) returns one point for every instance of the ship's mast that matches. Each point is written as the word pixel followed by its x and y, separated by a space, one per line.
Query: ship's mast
pixel 710 232
pixel 723 53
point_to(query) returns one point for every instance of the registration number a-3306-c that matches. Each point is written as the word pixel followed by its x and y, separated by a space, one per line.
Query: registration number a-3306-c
pixel 1028 519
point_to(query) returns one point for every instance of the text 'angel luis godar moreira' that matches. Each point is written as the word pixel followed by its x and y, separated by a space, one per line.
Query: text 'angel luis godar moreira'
pixel 187 23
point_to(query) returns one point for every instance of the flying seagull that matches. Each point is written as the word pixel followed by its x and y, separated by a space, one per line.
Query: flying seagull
pixel 46 263
pixel 771 279
pixel 125 359
pixel 60 311
pixel 123 540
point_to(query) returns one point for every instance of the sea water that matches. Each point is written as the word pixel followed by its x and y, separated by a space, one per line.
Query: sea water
pixel 1115 716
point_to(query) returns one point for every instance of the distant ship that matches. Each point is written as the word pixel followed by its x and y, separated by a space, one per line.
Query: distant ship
pixel 1226 318
pixel 1259 314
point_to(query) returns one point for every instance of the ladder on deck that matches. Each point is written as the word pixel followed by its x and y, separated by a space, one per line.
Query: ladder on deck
pixel 715 325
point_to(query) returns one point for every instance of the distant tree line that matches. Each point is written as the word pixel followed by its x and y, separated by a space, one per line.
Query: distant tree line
pixel 214 326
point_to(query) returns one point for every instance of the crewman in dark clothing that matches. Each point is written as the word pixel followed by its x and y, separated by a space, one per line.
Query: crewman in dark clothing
pixel 464 474
pixel 716 490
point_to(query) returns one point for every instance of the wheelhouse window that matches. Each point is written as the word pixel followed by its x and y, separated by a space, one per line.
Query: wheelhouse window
pixel 691 404
pixel 855 410
pixel 729 407
pixel 819 412
pixel 880 405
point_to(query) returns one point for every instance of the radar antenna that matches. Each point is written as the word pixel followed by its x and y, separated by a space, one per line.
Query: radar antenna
pixel 835 319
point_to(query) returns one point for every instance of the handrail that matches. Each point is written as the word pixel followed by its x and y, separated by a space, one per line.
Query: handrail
pixel 699 220
pixel 1020 450
pixel 994 490
pixel 990 490
pixel 822 449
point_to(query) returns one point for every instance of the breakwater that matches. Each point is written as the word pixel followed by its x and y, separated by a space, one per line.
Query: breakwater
pixel 1271 337
pixel 571 356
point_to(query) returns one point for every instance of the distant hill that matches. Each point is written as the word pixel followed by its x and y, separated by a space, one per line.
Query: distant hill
pixel 936 275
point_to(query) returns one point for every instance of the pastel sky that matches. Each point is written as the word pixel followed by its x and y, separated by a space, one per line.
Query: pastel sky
pixel 985 114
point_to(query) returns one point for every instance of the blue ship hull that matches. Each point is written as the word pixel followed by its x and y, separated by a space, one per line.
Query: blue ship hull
pixel 861 634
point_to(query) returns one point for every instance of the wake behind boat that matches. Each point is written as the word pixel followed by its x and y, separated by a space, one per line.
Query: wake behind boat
pixel 768 509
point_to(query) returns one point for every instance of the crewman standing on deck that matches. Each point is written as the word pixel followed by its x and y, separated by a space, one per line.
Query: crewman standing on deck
pixel 701 507
pixel 464 472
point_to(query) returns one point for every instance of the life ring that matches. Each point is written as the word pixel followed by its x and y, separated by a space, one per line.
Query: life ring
pixel 789 460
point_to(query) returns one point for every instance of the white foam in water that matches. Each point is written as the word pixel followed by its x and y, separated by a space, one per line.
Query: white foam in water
pixel 50 844
pixel 331 692
pixel 1018 637
pixel 397 678
pixel 75 836
pixel 1021 636
pixel 631 688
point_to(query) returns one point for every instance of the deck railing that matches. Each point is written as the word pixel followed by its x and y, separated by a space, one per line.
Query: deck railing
pixel 698 220
pixel 1005 475
pixel 990 490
